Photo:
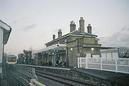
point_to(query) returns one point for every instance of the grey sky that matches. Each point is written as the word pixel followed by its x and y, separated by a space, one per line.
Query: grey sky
pixel 34 21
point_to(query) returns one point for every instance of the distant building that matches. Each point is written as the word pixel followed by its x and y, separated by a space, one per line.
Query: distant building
pixel 21 58
pixel 78 42
pixel 25 57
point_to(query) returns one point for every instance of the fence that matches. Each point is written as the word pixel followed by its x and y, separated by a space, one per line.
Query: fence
pixel 108 61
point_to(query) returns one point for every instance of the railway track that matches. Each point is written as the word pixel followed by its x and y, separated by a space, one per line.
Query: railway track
pixel 21 74
pixel 67 81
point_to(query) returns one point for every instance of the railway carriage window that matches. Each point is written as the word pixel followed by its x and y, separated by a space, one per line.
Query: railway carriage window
pixel 11 59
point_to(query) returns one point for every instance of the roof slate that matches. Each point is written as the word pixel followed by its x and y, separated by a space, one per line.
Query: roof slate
pixel 76 32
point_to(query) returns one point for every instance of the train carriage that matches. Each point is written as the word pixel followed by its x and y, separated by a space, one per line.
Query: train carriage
pixel 11 59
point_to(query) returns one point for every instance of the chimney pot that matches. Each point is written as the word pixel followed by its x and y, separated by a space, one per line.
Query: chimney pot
pixel 89 29
pixel 54 36
pixel 59 33
pixel 81 24
pixel 72 26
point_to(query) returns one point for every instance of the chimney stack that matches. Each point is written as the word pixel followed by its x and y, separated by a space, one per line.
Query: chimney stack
pixel 54 36
pixel 81 25
pixel 72 26
pixel 59 33
pixel 89 29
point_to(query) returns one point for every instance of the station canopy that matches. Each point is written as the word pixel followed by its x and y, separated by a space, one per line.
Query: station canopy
pixel 53 47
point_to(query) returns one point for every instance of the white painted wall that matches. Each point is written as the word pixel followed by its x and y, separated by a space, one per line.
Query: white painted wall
pixel 1 44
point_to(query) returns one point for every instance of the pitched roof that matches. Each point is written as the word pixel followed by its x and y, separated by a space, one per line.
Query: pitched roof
pixel 74 33
pixel 56 46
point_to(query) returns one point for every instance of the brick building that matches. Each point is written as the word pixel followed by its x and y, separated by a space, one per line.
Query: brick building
pixel 78 42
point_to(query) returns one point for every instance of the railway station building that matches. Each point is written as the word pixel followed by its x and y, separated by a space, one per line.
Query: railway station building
pixel 78 42
pixel 80 48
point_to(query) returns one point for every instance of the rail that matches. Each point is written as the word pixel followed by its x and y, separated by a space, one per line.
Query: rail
pixel 27 75
pixel 31 75
pixel 66 79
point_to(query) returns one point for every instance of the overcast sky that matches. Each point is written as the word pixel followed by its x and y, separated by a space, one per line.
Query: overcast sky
pixel 34 21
